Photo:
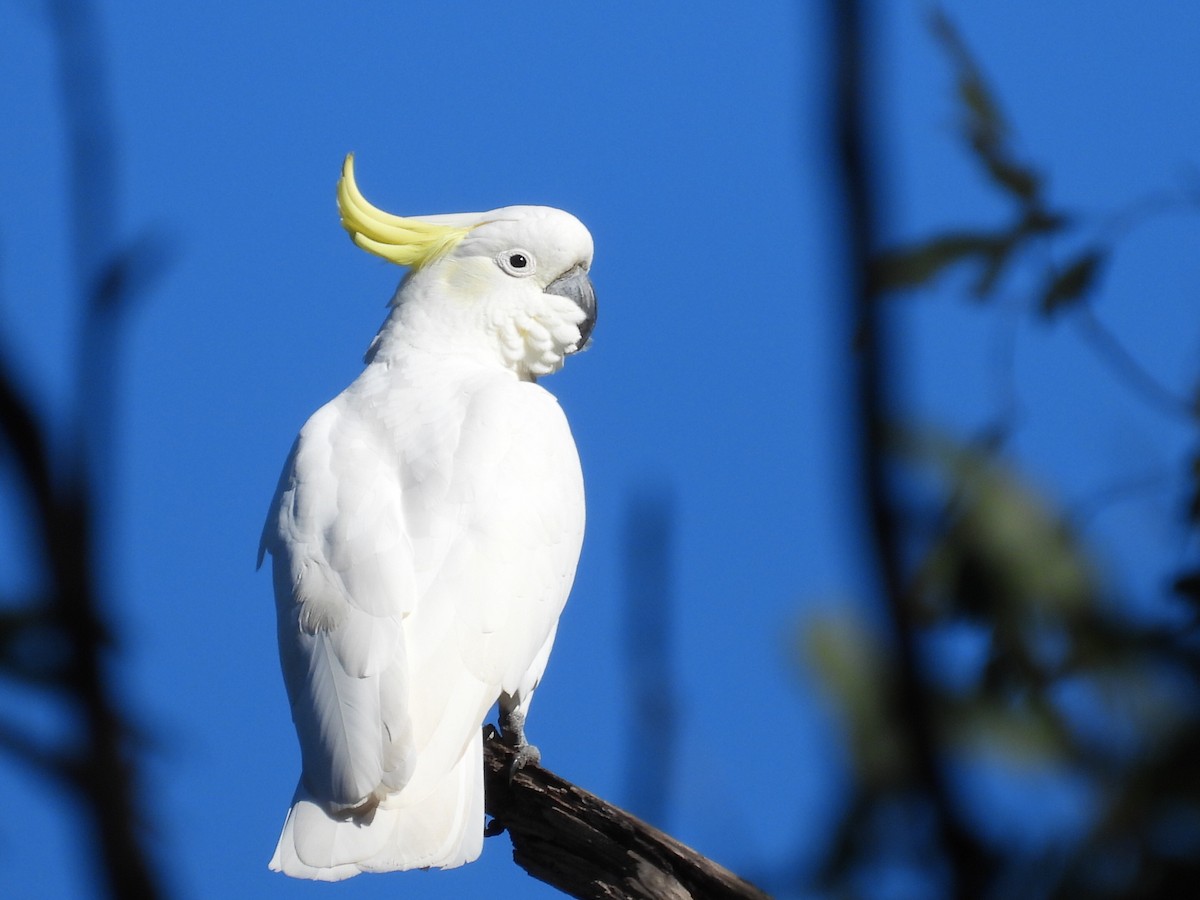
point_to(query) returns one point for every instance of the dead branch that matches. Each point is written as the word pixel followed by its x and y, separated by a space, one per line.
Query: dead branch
pixel 585 847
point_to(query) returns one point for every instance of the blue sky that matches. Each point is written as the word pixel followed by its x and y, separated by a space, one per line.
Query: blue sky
pixel 691 143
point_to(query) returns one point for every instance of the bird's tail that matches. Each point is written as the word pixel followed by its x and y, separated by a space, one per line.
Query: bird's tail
pixel 443 829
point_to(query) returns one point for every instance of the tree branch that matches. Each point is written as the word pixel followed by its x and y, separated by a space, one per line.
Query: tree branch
pixel 1128 369
pixel 872 402
pixel 100 763
pixel 585 847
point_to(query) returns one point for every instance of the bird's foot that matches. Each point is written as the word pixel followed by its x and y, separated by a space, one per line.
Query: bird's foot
pixel 514 736
pixel 525 756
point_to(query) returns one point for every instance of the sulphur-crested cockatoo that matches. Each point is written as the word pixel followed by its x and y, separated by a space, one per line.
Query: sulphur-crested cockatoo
pixel 424 537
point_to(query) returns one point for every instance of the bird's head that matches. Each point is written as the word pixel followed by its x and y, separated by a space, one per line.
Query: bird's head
pixel 514 280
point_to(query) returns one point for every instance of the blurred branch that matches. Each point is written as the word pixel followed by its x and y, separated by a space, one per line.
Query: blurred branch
pixel 1055 672
pixel 1128 369
pixel 997 250
pixel 100 764
pixel 983 123
pixel 1186 198
pixel 648 657
pixel 585 847
pixel 871 402
pixel 21 433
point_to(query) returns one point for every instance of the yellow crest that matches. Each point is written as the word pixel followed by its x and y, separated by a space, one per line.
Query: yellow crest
pixel 406 242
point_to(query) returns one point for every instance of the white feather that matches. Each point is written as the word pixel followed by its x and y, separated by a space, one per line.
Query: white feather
pixel 424 538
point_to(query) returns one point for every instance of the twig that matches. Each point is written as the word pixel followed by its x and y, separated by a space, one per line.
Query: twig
pixel 1127 367
pixel 1119 223
pixel 578 843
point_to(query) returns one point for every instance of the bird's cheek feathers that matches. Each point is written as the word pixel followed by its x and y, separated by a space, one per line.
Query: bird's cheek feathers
pixel 467 281
pixel 476 284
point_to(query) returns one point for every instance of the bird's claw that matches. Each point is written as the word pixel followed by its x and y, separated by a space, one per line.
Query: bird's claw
pixel 524 757
pixel 514 736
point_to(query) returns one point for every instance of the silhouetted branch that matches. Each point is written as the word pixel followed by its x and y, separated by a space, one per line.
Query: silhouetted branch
pixel 21 433
pixel 1001 577
pixel 872 407
pixel 1128 369
pixel 98 765
pixel 1117 224
pixel 578 843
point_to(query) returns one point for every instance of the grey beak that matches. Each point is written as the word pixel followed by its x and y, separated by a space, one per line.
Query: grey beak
pixel 576 286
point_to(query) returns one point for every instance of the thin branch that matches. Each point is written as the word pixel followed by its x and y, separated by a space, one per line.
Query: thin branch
pixel 578 843
pixel 1003 374
pixel 1118 224
pixel 1131 487
pixel 21 433
pixel 1128 369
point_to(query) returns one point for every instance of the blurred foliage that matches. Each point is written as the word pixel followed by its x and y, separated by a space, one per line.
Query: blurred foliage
pixel 1059 679
pixel 1037 668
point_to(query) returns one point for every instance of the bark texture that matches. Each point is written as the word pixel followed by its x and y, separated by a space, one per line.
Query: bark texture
pixel 585 847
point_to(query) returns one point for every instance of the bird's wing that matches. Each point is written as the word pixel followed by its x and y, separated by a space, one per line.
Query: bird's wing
pixel 418 583
pixel 344 582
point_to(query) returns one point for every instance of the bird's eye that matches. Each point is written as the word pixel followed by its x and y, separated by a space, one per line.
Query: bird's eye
pixel 518 263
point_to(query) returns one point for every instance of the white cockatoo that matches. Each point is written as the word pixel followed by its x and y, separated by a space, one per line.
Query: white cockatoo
pixel 424 537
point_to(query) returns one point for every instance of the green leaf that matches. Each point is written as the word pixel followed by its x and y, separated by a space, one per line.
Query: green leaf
pixel 1073 283
pixel 984 125
pixel 1015 178
pixel 1004 549
pixel 983 112
pixel 909 267
pixel 1019 733
pixel 854 668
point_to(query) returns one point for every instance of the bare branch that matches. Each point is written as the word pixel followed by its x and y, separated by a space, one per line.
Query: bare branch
pixel 578 843
pixel 871 399
pixel 100 767
pixel 1126 367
